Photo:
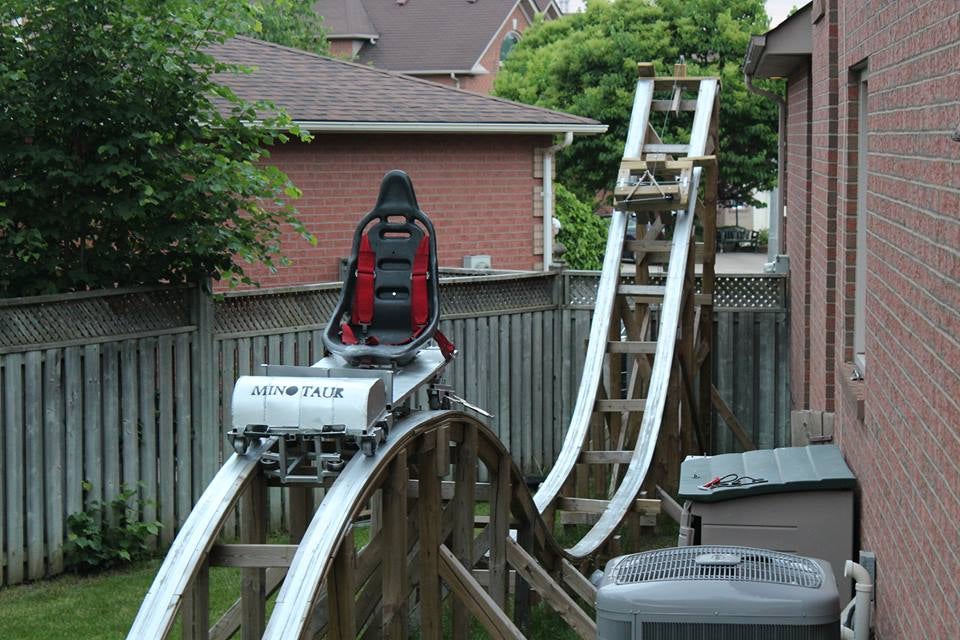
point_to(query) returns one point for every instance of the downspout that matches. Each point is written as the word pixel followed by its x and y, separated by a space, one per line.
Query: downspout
pixel 861 603
pixel 456 80
pixel 548 155
pixel 781 155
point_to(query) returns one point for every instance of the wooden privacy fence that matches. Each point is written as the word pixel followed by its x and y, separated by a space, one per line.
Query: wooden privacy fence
pixel 132 387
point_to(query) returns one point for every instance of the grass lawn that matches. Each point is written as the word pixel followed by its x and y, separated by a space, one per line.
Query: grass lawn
pixel 95 607
pixel 103 606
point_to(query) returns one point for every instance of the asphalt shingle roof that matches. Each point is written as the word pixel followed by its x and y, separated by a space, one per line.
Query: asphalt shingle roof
pixel 421 35
pixel 345 18
pixel 320 90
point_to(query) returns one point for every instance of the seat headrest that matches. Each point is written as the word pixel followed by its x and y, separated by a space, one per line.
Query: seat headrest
pixel 396 195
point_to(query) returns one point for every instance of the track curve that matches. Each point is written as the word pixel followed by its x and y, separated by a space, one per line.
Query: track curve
pixel 300 594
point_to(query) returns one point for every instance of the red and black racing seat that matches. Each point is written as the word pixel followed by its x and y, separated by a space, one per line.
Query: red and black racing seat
pixel 389 306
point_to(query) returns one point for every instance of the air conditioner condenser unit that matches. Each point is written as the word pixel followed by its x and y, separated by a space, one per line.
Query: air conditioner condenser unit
pixel 717 593
pixel 477 262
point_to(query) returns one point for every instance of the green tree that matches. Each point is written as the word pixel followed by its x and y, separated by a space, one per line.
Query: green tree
pixel 582 233
pixel 292 23
pixel 122 162
pixel 585 63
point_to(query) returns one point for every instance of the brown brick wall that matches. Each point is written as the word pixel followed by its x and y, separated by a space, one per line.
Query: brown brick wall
pixel 823 204
pixel 478 191
pixel 906 450
pixel 797 232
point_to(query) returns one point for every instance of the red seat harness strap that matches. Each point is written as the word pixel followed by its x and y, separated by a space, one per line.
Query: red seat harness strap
pixel 362 312
pixel 420 305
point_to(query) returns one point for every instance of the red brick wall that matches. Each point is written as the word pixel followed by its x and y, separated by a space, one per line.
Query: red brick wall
pixel 343 48
pixel 798 233
pixel 823 203
pixel 906 449
pixel 479 191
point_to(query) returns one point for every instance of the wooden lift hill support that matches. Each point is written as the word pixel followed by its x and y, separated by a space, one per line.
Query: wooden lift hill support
pixel 415 481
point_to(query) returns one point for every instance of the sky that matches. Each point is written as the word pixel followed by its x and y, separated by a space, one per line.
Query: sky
pixel 776 9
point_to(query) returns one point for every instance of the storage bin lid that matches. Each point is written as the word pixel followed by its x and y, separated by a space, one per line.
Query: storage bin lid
pixel 813 468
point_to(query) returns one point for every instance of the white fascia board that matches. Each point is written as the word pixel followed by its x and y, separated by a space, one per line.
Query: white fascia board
pixel 432 72
pixel 447 127
pixel 354 36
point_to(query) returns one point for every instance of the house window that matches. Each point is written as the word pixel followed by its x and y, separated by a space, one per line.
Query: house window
pixel 509 42
pixel 860 273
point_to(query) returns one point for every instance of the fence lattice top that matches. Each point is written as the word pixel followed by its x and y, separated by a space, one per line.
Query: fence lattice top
pixel 80 317
pixel 760 291
pixel 97 316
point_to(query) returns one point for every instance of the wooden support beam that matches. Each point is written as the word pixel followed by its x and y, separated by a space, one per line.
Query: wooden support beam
pixel 635 404
pixel 394 576
pixel 605 457
pixel 578 582
pixel 443 450
pixel 230 621
pixel 631 346
pixel 429 521
pixel 645 293
pixel 484 608
pixel 667 83
pixel 731 420
pixel 464 502
pixel 590 519
pixel 522 601
pixel 482 576
pixel 448 488
pixel 669 105
pixel 558 599
pixel 654 253
pixel 499 528
pixel 644 506
pixel 253 586
pixel 260 556
pixel 691 402
pixel 341 592
pixel 663 189
pixel 195 612
pixel 688 162
pixel 300 510
pixel 482 521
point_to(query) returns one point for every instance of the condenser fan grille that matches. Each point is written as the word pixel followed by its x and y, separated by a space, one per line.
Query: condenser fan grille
pixel 737 564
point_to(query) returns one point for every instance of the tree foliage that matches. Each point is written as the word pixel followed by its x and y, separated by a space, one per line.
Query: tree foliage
pixel 582 233
pixel 122 161
pixel 585 63
pixel 292 23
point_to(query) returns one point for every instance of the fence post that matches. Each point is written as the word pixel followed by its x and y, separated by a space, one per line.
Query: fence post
pixel 205 378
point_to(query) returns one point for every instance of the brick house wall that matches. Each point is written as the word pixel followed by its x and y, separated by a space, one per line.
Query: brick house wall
pixel 482 193
pixel 797 231
pixel 899 428
pixel 823 203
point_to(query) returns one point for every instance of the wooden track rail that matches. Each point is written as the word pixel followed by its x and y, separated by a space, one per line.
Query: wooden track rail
pixel 442 545
pixel 615 445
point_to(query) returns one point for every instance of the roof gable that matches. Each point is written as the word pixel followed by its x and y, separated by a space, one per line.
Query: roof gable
pixel 425 36
pixel 328 94
pixel 346 19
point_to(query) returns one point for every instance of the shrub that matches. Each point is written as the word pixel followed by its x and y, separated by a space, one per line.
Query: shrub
pixel 582 232
pixel 107 534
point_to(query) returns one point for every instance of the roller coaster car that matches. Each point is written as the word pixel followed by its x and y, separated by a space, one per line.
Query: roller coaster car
pixel 388 309
pixel 389 306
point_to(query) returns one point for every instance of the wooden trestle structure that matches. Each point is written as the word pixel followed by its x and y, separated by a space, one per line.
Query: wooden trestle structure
pixel 641 405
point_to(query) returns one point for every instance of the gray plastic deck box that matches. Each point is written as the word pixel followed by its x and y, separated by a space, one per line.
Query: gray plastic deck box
pixel 805 506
